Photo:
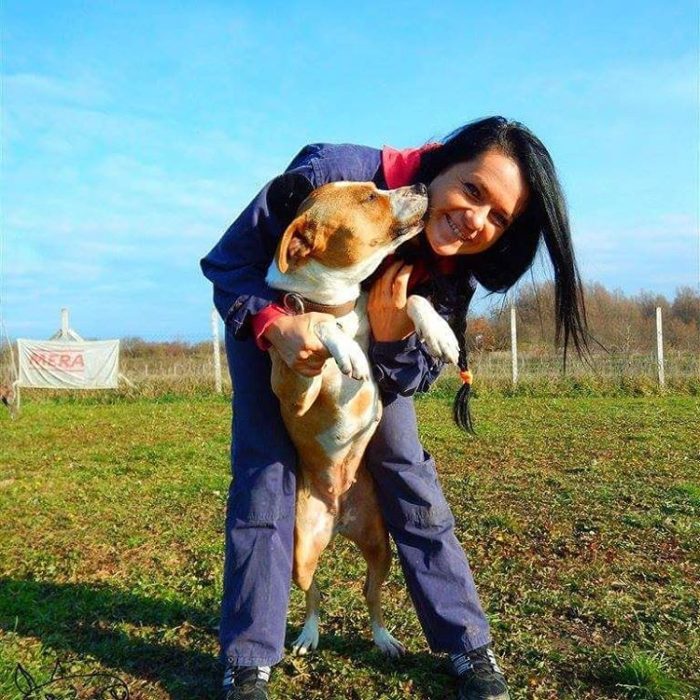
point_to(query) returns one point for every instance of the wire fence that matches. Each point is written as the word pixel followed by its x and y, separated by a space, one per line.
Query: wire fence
pixel 491 369
pixel 176 366
pixel 533 365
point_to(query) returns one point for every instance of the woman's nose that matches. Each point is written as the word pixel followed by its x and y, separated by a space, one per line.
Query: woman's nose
pixel 475 218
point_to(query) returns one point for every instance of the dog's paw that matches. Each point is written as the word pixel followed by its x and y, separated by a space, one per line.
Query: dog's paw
pixel 388 644
pixel 432 329
pixel 308 639
pixel 348 355
pixel 357 361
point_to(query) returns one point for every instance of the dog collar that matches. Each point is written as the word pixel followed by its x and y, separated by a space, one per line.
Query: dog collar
pixel 297 304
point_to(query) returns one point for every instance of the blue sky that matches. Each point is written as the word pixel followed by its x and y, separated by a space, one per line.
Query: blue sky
pixel 134 132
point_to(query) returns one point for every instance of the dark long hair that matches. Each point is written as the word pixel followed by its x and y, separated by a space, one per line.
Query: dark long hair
pixel 545 218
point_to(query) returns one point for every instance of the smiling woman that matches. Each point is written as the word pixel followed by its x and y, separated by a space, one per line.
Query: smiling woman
pixel 493 197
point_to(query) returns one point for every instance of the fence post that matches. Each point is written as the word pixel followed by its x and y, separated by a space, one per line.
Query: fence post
pixel 65 324
pixel 217 349
pixel 660 348
pixel 514 345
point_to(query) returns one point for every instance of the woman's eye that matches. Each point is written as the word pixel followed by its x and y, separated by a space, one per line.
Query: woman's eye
pixel 500 221
pixel 470 189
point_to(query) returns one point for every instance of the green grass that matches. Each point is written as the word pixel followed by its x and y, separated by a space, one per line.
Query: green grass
pixel 579 516
pixel 645 677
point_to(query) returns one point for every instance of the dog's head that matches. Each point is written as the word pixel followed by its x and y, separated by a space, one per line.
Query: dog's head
pixel 351 225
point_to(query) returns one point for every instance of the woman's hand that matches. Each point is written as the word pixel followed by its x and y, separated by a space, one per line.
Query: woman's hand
pixel 386 306
pixel 296 341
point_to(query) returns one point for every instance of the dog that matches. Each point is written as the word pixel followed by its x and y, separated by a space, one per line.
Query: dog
pixel 7 396
pixel 340 235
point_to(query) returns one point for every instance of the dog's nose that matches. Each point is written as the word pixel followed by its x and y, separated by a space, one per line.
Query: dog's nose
pixel 421 189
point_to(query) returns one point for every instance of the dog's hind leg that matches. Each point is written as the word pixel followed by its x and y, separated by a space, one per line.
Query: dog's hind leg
pixel 313 532
pixel 308 638
pixel 363 524
pixel 378 557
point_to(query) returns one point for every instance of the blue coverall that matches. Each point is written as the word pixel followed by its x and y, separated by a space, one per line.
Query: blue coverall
pixel 260 511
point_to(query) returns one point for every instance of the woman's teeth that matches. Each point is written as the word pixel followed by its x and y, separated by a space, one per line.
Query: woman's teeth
pixel 464 237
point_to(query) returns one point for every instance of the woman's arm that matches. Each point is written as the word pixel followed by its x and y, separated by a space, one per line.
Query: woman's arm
pixel 400 361
pixel 237 265
pixel 403 367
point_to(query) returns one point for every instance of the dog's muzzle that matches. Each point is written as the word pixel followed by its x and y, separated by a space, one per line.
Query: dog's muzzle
pixel 409 204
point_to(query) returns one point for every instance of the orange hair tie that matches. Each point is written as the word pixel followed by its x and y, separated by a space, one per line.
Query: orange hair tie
pixel 466 376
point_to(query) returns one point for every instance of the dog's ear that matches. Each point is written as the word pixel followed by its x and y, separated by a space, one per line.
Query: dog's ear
pixel 297 242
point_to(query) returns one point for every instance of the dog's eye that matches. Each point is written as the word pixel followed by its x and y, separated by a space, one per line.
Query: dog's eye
pixel 370 197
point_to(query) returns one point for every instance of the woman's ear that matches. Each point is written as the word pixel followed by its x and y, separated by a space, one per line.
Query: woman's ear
pixel 297 243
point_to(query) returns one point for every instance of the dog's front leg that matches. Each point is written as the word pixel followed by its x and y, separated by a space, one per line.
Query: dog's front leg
pixel 432 329
pixel 296 392
pixel 345 351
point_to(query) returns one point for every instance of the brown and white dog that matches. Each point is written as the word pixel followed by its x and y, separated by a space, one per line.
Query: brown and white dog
pixel 7 396
pixel 341 234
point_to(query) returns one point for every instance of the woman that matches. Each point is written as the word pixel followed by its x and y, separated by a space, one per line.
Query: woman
pixel 494 195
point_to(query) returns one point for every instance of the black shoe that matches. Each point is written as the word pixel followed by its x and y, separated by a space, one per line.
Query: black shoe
pixel 246 682
pixel 479 676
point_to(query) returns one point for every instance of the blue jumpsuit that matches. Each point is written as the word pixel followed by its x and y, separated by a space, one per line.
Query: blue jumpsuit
pixel 260 511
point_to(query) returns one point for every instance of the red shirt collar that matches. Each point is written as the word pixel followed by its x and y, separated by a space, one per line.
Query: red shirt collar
pixel 401 166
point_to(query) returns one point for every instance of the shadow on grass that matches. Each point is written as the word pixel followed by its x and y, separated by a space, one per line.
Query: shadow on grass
pixel 84 620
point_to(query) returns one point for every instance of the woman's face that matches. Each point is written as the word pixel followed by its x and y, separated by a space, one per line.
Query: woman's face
pixel 473 203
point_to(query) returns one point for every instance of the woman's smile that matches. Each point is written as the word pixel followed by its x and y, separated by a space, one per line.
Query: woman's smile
pixel 447 234
pixel 463 236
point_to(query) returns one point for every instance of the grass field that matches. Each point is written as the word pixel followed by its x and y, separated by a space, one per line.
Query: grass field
pixel 580 516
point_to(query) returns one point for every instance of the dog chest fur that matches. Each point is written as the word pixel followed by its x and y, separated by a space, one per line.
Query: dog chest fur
pixel 327 415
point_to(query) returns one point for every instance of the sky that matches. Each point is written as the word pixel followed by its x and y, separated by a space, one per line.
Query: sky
pixel 133 133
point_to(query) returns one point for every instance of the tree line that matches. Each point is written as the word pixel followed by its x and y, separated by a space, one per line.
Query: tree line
pixel 618 323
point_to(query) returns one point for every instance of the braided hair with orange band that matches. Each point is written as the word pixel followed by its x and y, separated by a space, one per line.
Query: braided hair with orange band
pixel 460 408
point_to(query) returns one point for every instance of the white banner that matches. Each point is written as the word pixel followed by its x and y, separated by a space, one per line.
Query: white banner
pixel 56 364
